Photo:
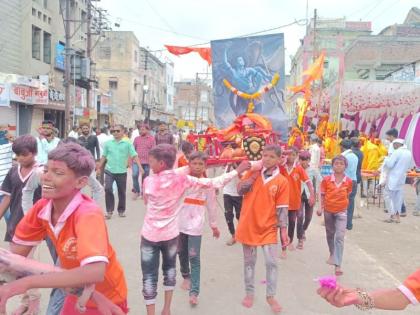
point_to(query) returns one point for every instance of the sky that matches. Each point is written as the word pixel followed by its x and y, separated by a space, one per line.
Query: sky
pixel 190 22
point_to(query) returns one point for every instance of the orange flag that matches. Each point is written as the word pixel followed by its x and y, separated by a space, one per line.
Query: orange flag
pixel 204 52
pixel 315 71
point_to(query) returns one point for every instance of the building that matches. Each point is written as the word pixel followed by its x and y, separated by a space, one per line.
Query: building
pixel 32 61
pixel 158 91
pixel 332 36
pixel 407 73
pixel 193 105
pixel 375 57
pixel 118 72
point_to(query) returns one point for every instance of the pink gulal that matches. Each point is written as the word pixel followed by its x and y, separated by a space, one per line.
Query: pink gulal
pixel 329 282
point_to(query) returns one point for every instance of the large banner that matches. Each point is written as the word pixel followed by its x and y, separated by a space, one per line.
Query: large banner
pixel 249 64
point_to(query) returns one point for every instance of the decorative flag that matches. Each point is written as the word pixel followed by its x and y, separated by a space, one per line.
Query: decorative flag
pixel 204 52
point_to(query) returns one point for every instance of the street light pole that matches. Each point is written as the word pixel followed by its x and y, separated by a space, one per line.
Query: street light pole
pixel 67 68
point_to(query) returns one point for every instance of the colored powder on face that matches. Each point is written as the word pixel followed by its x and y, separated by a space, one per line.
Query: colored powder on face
pixel 329 282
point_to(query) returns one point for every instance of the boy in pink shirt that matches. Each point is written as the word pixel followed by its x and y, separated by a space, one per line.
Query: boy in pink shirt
pixel 164 194
pixel 191 224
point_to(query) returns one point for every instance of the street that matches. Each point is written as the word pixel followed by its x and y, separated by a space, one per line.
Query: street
pixel 376 255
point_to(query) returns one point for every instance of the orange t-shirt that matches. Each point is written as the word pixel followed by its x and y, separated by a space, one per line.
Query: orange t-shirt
pixel 80 237
pixel 411 287
pixel 258 221
pixel 336 195
pixel 296 176
pixel 182 161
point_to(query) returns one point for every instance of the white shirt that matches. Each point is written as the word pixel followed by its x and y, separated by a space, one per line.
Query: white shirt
pixel 6 156
pixel 73 134
pixel 134 135
pixel 398 164
pixel 102 139
pixel 315 152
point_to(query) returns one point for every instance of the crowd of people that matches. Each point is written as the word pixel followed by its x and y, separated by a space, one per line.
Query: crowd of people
pixel 43 197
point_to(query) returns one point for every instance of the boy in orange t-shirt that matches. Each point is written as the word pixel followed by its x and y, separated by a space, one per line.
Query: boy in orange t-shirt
pixel 335 191
pixel 67 217
pixel 264 208
pixel 296 176
pixel 187 148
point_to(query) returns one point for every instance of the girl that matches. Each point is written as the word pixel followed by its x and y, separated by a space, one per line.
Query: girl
pixel 335 191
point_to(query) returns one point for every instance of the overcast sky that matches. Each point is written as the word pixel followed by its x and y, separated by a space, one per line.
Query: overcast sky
pixel 187 22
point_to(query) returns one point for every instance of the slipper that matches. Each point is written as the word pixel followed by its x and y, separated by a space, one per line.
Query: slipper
pixel 339 273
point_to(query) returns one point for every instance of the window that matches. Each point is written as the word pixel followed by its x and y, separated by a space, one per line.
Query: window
pixel 45 18
pixel 49 20
pixel 47 48
pixel 83 18
pixel 39 15
pixel 36 42
pixel 113 85
pixel 33 12
pixel 135 56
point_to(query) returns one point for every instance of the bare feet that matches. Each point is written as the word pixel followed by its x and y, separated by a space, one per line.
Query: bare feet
pixel 330 261
pixel 186 285
pixel 166 312
pixel 231 242
pixel 193 300
pixel 248 301
pixel 283 254
pixel 291 247
pixel 275 306
pixel 300 244
pixel 338 271
pixel 135 196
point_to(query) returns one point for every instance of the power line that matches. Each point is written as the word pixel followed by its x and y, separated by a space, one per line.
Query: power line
pixel 386 9
pixel 371 10
pixel 160 16
pixel 297 22
pixel 360 10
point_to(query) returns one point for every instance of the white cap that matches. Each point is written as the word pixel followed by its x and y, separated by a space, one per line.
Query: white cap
pixel 399 140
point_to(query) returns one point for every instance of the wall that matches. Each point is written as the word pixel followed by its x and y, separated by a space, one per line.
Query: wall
pixel 10 44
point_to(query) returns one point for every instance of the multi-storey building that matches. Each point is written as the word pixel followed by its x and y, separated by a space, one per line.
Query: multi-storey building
pixel 32 61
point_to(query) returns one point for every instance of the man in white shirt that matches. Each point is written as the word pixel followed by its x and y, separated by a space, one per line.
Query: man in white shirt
pixel 47 141
pixel 103 137
pixel 314 170
pixel 73 133
pixel 397 164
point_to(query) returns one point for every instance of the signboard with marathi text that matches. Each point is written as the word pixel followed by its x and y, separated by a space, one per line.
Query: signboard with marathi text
pixel 4 95
pixel 28 95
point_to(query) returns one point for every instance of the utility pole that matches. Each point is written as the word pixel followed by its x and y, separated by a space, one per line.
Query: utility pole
pixel 67 67
pixel 144 82
pixel 89 50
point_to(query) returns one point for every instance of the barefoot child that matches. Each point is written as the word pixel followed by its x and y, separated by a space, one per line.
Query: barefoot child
pixel 304 215
pixel 77 228
pixel 335 191
pixel 164 193
pixel 232 201
pixel 191 223
pixel 296 176
pixel 264 208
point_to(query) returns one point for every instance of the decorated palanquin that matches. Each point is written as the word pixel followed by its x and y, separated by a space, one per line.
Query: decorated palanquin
pixel 243 140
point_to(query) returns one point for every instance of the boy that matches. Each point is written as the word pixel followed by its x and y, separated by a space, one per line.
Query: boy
pixel 295 175
pixel 67 217
pixel 186 148
pixel 164 192
pixel 265 203
pixel 304 215
pixel 25 149
pixel 231 201
pixel 191 223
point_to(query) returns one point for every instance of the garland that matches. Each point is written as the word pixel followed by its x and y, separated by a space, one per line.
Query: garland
pixel 256 95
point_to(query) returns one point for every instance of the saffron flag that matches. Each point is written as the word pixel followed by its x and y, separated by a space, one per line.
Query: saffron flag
pixel 204 52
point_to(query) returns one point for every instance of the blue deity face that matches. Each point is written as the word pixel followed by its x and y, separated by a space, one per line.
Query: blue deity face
pixel 240 61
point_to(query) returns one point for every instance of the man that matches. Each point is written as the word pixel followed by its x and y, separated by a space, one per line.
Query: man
pixel 314 171
pixel 356 150
pixel 116 154
pixel 191 137
pixel 135 133
pixel 47 141
pixel 89 141
pixel 391 135
pixel 74 132
pixel 163 135
pixel 351 172
pixel 142 144
pixel 102 139
pixel 397 164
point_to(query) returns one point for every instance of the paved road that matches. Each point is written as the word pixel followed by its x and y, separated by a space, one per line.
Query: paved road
pixel 376 255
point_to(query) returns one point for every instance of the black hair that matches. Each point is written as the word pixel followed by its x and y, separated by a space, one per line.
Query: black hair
pixel 25 144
